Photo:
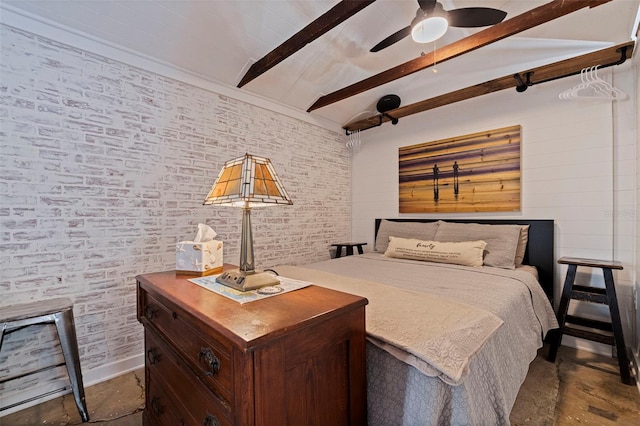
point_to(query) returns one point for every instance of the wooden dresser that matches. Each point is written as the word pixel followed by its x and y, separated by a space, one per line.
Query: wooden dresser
pixel 293 359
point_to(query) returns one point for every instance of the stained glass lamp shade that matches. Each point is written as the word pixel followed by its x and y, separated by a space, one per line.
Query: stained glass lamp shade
pixel 247 182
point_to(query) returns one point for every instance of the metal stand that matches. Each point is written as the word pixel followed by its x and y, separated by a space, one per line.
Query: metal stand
pixel 55 311
pixel 246 277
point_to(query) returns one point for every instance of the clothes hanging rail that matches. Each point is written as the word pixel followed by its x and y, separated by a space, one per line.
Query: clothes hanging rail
pixel 393 120
pixel 524 84
pixel 612 55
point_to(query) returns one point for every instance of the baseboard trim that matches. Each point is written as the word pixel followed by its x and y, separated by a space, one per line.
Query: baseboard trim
pixel 587 345
pixel 635 366
pixel 115 369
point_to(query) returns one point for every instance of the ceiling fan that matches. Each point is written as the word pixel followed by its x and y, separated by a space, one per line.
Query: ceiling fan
pixel 432 21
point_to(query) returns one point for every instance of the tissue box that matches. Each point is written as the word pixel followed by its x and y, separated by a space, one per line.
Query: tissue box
pixel 199 258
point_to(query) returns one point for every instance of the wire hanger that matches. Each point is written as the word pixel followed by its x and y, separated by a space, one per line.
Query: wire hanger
pixel 592 87
pixel 354 141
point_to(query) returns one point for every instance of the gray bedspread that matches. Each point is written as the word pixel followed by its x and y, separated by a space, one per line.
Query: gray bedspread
pixel 401 394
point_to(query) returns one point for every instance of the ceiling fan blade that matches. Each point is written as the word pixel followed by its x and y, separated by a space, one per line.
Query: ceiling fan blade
pixel 393 38
pixel 470 17
pixel 427 5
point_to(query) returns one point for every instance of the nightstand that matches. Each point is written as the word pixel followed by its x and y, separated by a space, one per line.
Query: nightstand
pixel 349 247
pixel 607 332
pixel 294 358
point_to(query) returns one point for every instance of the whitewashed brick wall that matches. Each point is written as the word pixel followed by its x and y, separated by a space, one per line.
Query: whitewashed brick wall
pixel 104 168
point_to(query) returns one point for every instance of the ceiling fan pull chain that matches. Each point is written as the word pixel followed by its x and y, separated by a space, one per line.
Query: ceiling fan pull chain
pixel 434 69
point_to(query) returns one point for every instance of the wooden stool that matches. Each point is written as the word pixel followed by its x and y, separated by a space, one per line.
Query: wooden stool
pixel 605 296
pixel 60 312
pixel 349 247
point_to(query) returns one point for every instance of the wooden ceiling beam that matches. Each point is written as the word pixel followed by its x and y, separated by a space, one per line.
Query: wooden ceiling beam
pixel 608 56
pixel 522 22
pixel 330 19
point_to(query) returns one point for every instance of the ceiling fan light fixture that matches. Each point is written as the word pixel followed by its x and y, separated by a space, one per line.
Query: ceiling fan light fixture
pixel 431 28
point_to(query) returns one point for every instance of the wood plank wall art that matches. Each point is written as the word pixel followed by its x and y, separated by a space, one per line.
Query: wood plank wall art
pixel 479 172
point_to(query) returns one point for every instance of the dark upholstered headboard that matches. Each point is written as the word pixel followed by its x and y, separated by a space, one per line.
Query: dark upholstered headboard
pixel 539 247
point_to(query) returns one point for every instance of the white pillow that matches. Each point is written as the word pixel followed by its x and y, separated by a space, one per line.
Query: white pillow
pixel 467 253
pixel 502 240
pixel 522 245
pixel 418 230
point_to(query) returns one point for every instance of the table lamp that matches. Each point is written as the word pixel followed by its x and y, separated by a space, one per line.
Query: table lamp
pixel 247 182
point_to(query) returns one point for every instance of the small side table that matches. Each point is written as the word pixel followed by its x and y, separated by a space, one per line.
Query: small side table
pixel 604 296
pixel 349 247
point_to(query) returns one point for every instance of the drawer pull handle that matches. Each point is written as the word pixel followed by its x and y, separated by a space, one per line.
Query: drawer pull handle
pixel 211 420
pixel 211 362
pixel 155 406
pixel 152 356
pixel 150 312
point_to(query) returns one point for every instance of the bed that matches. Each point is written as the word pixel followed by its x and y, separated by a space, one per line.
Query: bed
pixel 449 341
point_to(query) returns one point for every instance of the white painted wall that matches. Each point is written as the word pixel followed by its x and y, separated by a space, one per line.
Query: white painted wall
pixel 636 280
pixel 578 168
pixel 104 168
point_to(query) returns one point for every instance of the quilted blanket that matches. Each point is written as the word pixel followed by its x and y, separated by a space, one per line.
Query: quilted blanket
pixel 408 383
pixel 395 322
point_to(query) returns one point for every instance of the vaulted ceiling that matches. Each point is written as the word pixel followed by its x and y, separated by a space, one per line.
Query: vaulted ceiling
pixel 220 40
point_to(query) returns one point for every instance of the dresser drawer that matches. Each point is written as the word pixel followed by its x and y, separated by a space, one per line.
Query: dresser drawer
pixel 209 358
pixel 160 408
pixel 192 401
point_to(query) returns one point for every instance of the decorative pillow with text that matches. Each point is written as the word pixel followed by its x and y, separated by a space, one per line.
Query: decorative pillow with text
pixel 466 253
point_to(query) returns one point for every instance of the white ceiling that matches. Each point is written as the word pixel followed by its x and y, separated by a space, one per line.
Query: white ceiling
pixel 219 39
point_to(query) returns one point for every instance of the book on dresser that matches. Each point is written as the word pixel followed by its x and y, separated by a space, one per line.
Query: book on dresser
pixel 294 359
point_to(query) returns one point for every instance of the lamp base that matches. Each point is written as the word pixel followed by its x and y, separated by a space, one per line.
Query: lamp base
pixel 243 281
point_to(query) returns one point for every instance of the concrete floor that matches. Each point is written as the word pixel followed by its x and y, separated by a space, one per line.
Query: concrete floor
pixel 580 388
